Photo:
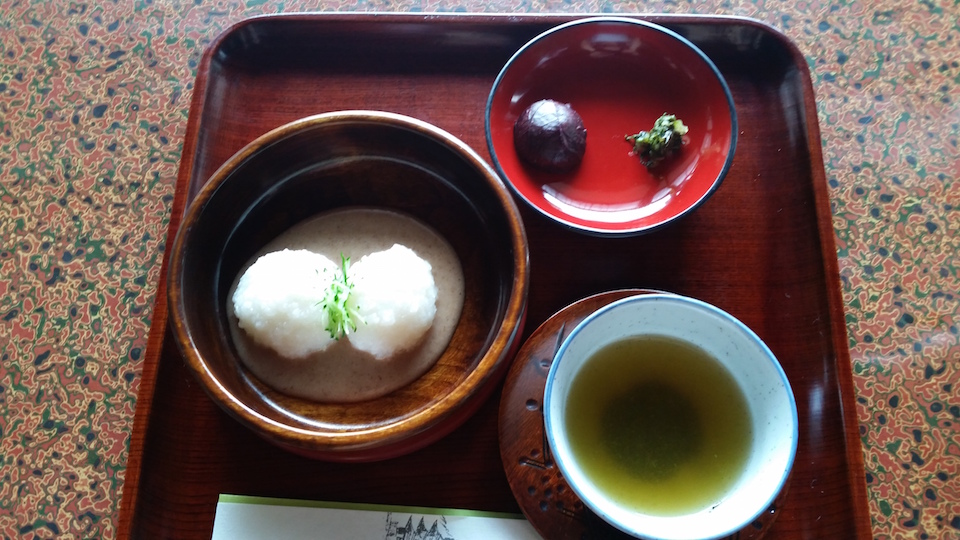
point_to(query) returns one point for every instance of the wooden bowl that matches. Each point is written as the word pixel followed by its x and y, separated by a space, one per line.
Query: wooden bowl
pixel 331 161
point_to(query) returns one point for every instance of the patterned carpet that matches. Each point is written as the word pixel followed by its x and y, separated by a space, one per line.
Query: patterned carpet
pixel 94 100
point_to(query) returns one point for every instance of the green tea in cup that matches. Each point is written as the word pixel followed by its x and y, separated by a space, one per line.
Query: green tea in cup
pixel 658 424
pixel 669 418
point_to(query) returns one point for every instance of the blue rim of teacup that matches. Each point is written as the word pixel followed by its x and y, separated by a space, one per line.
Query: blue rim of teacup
pixel 700 304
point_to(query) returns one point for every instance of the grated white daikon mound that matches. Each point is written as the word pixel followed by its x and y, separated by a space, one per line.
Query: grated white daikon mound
pixel 278 301
pixel 396 297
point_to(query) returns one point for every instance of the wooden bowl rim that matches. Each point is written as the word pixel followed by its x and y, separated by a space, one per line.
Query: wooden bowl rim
pixel 398 432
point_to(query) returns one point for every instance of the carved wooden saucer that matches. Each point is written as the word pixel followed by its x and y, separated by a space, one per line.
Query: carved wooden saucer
pixel 541 491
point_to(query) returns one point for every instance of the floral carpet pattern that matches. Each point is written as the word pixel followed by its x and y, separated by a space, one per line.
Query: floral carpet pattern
pixel 94 98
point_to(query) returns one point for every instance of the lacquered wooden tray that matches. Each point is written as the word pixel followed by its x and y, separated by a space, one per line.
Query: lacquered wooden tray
pixel 762 249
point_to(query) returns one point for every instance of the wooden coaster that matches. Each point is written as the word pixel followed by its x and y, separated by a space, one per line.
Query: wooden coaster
pixel 546 500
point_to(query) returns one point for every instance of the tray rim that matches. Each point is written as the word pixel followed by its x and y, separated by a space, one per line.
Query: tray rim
pixel 184 191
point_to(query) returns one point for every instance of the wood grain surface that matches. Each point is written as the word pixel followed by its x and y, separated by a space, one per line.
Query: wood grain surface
pixel 761 249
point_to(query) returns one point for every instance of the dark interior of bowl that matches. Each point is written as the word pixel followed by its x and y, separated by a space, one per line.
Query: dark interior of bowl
pixel 329 166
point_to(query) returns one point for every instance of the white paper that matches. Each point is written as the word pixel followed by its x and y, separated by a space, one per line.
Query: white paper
pixel 249 518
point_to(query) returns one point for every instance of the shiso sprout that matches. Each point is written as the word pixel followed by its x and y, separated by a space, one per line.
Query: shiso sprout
pixel 664 140
pixel 342 318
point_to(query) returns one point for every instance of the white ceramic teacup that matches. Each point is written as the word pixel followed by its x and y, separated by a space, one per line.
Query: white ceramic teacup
pixel 754 368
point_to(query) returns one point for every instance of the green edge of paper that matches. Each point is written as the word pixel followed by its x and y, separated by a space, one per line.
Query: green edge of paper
pixel 300 503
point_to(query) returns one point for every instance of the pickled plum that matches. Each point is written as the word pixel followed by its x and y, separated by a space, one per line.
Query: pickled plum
pixel 550 136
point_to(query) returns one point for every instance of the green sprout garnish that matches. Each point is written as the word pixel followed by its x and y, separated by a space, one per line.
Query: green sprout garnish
pixel 341 317
pixel 664 140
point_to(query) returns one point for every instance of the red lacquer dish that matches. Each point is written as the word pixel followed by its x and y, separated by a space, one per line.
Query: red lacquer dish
pixel 619 75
